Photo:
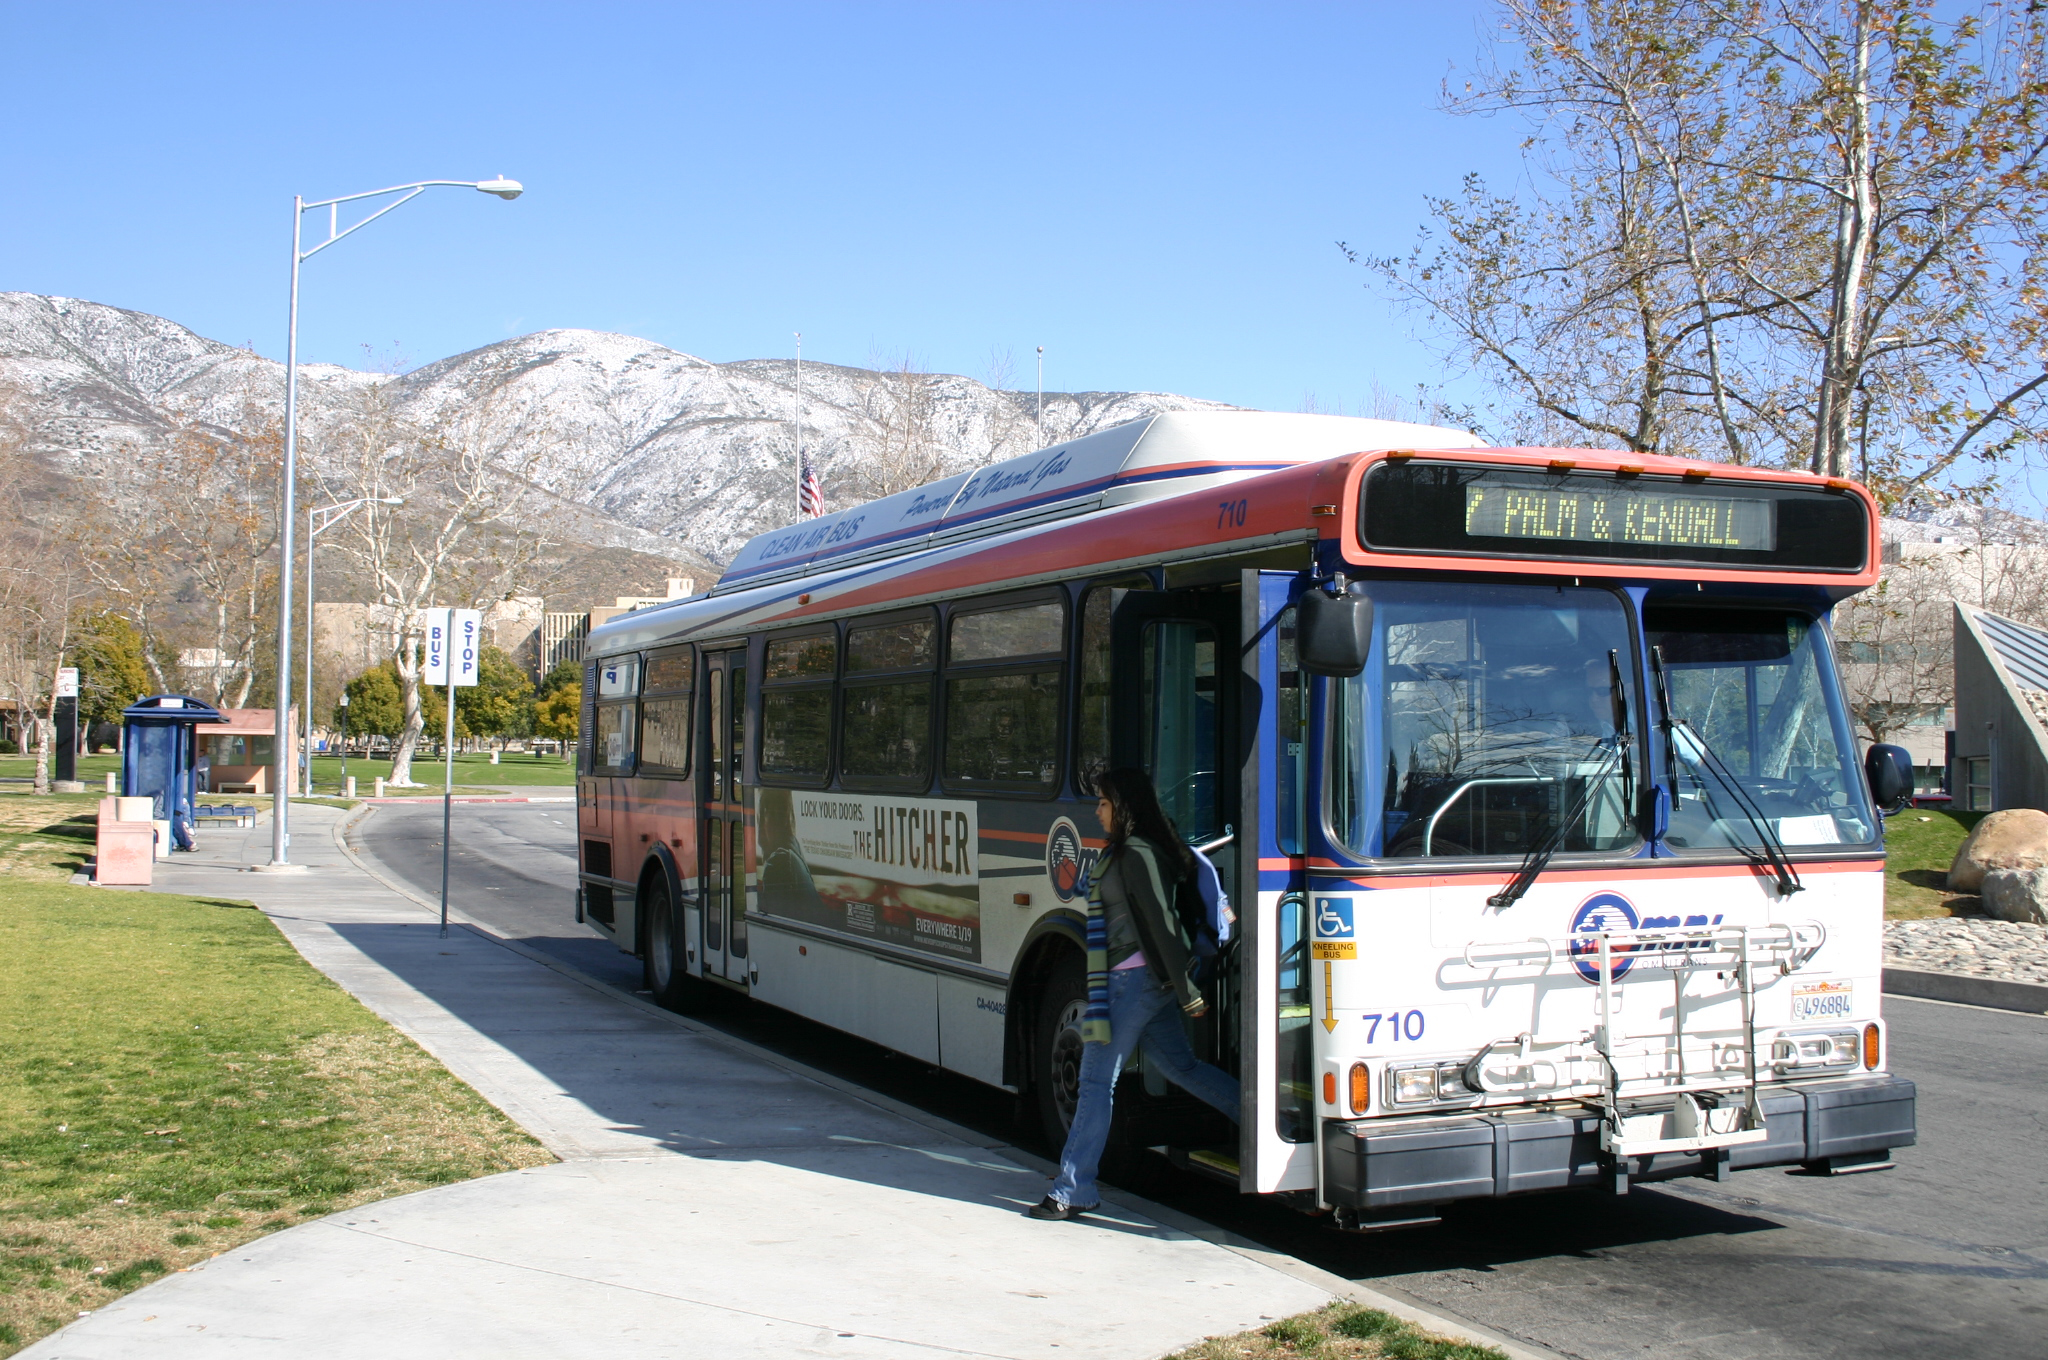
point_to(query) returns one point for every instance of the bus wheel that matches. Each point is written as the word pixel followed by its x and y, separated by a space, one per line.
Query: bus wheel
pixel 665 958
pixel 1061 1003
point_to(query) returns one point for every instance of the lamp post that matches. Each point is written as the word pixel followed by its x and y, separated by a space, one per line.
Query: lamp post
pixel 281 781
pixel 319 519
pixel 344 740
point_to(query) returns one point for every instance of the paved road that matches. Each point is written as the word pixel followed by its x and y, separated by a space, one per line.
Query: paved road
pixel 1946 1255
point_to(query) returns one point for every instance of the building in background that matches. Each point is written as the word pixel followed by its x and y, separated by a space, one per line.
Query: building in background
pixel 2001 732
pixel 238 754
pixel 562 633
pixel 349 639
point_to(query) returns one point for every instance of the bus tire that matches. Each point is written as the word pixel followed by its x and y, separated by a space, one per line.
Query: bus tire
pixel 664 956
pixel 1056 1045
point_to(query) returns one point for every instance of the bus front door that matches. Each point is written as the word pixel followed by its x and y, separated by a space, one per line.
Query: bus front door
pixel 722 835
pixel 1175 672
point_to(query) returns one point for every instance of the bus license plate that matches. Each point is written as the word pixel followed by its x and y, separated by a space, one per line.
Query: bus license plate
pixel 1823 1001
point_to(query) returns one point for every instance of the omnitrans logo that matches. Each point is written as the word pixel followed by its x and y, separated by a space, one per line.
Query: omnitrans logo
pixel 1063 859
pixel 1603 911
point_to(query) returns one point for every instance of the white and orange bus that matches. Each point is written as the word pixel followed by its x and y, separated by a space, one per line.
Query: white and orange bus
pixel 1527 769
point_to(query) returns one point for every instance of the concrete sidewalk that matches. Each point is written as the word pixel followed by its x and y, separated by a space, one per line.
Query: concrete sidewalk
pixel 712 1199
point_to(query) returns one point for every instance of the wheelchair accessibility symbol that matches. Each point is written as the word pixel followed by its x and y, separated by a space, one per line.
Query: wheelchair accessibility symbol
pixel 1335 935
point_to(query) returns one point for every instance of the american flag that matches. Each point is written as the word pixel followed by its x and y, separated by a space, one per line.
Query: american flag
pixel 810 498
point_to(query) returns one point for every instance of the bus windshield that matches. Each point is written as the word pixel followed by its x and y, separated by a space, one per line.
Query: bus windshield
pixel 1485 717
pixel 1754 692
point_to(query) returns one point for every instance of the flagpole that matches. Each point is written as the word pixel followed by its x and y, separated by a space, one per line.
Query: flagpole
pixel 800 413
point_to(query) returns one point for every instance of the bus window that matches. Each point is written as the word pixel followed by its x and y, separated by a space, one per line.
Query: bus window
pixel 1179 677
pixel 1092 720
pixel 1293 1100
pixel 885 704
pixel 1002 698
pixel 665 712
pixel 1751 687
pixel 1484 717
pixel 617 718
pixel 796 709
pixel 1290 734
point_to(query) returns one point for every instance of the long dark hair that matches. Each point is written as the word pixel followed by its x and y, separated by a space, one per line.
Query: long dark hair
pixel 1137 810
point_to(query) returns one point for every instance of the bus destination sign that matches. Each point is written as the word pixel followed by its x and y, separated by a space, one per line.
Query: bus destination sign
pixel 1442 507
pixel 1620 514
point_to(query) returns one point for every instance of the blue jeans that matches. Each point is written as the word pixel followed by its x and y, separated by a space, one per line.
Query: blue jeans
pixel 1141 1010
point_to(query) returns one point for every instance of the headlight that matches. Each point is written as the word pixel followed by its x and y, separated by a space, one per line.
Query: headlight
pixel 1424 1083
pixel 1825 1048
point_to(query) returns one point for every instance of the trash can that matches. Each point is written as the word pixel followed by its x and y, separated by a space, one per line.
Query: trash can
pixel 158 751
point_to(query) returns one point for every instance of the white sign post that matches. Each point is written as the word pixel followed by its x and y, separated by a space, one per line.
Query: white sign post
pixel 455 640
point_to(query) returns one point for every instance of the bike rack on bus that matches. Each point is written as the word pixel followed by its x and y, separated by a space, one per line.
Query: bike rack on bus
pixel 1693 1123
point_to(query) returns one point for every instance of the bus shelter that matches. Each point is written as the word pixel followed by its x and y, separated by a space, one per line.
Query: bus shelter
pixel 158 748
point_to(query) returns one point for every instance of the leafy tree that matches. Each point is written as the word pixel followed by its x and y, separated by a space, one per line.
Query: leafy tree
pixel 567 674
pixel 556 715
pixel 375 708
pixel 112 669
pixel 501 701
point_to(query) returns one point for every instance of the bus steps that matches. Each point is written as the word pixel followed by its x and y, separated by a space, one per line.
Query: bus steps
pixel 1213 1163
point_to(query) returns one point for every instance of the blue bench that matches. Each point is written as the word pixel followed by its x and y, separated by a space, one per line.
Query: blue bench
pixel 223 813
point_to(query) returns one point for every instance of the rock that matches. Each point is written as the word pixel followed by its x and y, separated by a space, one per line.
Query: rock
pixel 2017 895
pixel 2014 838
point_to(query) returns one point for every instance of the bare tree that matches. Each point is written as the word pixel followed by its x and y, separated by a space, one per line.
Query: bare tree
pixel 184 538
pixel 898 443
pixel 473 481
pixel 41 586
pixel 1786 231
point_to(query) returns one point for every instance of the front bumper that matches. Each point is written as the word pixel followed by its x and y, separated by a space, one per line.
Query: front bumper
pixel 1386 1164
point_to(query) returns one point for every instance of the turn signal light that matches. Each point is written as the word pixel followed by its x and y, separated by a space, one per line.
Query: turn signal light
pixel 1361 1088
pixel 1870 1053
pixel 1329 1088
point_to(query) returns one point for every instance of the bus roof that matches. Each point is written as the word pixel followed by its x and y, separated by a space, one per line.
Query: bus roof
pixel 1145 459
pixel 1296 476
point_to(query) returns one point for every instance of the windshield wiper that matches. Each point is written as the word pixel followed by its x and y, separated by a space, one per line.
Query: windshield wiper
pixel 1773 856
pixel 1539 857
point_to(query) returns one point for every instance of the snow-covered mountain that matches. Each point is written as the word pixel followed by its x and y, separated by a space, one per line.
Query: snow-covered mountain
pixel 684 451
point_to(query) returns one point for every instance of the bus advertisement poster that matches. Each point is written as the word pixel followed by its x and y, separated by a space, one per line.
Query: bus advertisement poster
pixel 901 870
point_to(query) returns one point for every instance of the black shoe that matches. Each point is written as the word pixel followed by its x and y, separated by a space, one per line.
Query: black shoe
pixel 1056 1212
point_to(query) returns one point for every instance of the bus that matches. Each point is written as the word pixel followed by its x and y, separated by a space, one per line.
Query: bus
pixel 1527 771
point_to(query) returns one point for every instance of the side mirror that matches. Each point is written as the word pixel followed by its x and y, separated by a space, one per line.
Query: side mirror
pixel 1333 632
pixel 1890 772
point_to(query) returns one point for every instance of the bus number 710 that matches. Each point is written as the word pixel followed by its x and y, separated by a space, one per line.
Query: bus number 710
pixel 1400 1025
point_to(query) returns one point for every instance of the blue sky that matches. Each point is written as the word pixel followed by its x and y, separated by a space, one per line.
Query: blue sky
pixel 1152 192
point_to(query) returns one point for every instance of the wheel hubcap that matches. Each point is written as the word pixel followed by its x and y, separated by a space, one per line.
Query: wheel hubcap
pixel 1066 1061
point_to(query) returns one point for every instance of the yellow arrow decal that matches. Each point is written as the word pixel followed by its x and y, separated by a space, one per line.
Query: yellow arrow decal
pixel 1329 1000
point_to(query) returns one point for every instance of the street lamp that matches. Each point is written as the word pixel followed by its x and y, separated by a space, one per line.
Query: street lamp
pixel 281 780
pixel 318 520
pixel 344 740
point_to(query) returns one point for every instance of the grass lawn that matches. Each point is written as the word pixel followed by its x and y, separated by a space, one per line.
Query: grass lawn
pixel 1340 1331
pixel 515 768
pixel 1920 844
pixel 175 1080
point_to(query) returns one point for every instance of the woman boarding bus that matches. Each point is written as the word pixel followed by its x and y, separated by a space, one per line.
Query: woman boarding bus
pixel 1527 769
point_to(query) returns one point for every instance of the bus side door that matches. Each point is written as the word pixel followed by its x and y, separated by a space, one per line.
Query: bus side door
pixel 722 829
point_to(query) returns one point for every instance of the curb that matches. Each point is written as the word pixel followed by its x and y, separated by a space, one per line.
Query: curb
pixel 429 798
pixel 1964 990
